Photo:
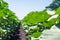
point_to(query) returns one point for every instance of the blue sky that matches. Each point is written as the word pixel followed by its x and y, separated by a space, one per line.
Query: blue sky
pixel 23 7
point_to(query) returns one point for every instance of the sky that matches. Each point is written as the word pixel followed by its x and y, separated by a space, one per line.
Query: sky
pixel 23 7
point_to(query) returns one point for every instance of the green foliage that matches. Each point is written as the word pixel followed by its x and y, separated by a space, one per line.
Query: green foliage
pixel 36 34
pixel 8 20
pixel 36 29
pixel 48 24
pixel 39 19
pixel 58 10
pixel 35 17
pixel 1 30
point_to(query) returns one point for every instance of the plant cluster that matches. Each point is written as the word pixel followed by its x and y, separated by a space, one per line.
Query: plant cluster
pixel 41 20
pixel 8 21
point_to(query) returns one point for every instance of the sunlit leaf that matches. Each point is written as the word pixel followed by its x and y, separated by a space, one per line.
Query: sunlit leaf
pixel 36 34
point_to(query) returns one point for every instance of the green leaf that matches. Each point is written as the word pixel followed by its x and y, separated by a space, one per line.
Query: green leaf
pixel 36 29
pixel 0 0
pixel 1 30
pixel 48 24
pixel 36 34
pixel 58 10
pixel 2 14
